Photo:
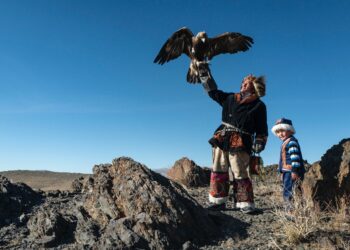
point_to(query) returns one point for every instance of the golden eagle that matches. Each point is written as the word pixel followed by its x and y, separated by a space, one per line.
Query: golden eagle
pixel 200 49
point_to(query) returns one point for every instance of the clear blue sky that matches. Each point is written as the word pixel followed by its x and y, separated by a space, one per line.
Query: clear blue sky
pixel 78 85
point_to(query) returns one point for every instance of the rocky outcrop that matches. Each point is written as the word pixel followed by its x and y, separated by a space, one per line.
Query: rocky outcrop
pixel 16 199
pixel 123 205
pixel 328 180
pixel 136 207
pixel 188 173
pixel 171 219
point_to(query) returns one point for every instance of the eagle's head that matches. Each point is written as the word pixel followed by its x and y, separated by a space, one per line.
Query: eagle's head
pixel 202 36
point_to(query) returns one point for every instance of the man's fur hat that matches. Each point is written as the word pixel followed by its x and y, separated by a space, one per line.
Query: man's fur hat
pixel 259 85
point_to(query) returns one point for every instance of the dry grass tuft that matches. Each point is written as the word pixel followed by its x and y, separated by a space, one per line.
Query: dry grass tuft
pixel 306 221
pixel 298 224
pixel 340 215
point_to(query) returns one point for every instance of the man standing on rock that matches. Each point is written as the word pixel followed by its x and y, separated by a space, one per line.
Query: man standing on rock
pixel 243 131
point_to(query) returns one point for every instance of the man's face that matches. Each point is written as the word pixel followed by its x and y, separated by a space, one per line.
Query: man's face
pixel 283 134
pixel 247 85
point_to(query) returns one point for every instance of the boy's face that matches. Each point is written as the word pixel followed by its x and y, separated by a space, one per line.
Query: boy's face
pixel 283 134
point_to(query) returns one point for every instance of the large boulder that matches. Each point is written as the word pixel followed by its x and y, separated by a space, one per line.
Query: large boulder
pixel 328 181
pixel 16 199
pixel 138 208
pixel 188 173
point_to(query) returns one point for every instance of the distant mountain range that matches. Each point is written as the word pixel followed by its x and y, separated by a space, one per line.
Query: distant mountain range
pixel 44 180
pixel 49 180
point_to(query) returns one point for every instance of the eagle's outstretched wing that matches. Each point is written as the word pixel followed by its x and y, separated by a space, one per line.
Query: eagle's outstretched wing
pixel 179 42
pixel 229 42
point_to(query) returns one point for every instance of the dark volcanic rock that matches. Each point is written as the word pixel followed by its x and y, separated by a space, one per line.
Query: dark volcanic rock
pixel 77 184
pixel 328 181
pixel 187 172
pixel 137 207
pixel 49 228
pixel 16 199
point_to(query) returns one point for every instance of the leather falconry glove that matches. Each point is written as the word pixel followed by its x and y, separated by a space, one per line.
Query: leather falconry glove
pixel 205 76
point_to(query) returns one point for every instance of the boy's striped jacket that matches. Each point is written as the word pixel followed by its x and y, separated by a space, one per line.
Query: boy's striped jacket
pixel 291 159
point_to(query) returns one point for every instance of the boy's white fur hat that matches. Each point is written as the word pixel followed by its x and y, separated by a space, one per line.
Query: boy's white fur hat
pixel 283 124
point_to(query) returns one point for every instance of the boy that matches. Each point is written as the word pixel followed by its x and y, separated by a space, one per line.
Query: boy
pixel 291 164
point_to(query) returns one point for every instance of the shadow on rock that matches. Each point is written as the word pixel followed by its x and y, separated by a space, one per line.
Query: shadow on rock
pixel 49 228
pixel 328 180
pixel 16 200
